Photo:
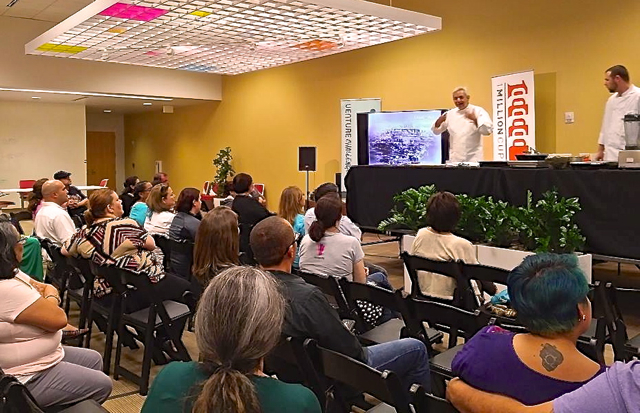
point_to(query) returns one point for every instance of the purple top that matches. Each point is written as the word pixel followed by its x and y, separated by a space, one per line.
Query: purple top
pixel 615 391
pixel 489 362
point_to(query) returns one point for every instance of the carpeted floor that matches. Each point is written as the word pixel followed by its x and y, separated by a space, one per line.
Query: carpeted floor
pixel 125 397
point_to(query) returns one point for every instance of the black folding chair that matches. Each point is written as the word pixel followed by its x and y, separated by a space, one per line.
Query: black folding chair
pixel 291 364
pixel 458 323
pixel 106 314
pixel 390 330
pixel 81 296
pixel 384 386
pixel 17 217
pixel 463 296
pixel 162 242
pixel 168 317
pixel 330 286
pixel 180 257
pixel 63 276
pixel 593 341
pixel 624 349
pixel 424 402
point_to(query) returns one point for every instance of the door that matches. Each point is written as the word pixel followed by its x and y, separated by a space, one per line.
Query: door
pixel 101 158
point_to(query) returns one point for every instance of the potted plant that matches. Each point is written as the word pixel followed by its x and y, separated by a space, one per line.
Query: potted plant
pixel 504 234
pixel 224 170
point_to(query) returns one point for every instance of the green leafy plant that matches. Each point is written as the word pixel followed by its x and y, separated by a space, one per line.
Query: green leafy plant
pixel 558 231
pixel 409 210
pixel 475 214
pixel 545 225
pixel 224 170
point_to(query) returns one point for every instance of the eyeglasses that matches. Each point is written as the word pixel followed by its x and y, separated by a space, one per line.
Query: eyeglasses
pixel 22 240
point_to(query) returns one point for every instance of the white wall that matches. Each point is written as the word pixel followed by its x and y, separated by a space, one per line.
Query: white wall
pixel 109 122
pixel 38 139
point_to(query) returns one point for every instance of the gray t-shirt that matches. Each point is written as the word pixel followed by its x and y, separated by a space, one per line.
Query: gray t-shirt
pixel 334 255
pixel 617 390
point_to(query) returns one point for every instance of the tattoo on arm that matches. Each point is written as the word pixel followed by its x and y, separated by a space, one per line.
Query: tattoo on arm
pixel 551 357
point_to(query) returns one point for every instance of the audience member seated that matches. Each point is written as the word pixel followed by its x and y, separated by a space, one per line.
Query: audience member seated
pixel 78 201
pixel 127 196
pixel 346 226
pixel 31 263
pixel 549 292
pixel 139 210
pixel 108 239
pixel 53 221
pixel 217 246
pixel 35 197
pixel 249 211
pixel 228 194
pixel 161 201
pixel 160 178
pixel 31 324
pixel 617 390
pixel 187 220
pixel 291 209
pixel 309 314
pixel 239 322
pixel 437 242
pixel 327 251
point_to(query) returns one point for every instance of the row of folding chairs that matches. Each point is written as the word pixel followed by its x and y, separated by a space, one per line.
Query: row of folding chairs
pixel 340 382
pixel 74 277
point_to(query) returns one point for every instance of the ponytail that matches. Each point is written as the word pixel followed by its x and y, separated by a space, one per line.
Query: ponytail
pixel 88 217
pixel 328 211
pixel 316 231
pixel 229 391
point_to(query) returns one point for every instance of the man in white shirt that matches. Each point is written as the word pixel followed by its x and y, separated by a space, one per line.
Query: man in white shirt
pixel 466 124
pixel 625 99
pixel 53 221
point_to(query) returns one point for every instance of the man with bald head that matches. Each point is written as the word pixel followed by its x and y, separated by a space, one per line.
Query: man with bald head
pixel 53 220
pixel 309 314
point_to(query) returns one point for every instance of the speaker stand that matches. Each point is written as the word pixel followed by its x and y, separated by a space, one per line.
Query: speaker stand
pixel 307 188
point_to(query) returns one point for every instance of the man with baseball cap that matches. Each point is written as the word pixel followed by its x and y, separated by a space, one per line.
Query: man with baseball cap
pixel 78 202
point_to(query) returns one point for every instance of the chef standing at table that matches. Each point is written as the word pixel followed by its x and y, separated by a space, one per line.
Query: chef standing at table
pixel 625 99
pixel 466 124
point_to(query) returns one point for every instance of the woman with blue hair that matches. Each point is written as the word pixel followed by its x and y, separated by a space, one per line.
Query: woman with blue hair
pixel 549 292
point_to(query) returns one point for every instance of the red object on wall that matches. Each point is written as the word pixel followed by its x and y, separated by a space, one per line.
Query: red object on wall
pixel 518 146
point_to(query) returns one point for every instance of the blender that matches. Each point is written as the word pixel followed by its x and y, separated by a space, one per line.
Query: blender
pixel 630 156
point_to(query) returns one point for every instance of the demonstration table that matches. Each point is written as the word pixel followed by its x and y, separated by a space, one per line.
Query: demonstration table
pixel 610 198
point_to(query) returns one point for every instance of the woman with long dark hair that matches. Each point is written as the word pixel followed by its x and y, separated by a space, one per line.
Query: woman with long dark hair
pixel 239 321
pixel 127 196
pixel 35 197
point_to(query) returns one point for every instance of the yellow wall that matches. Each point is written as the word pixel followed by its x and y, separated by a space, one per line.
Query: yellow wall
pixel 264 116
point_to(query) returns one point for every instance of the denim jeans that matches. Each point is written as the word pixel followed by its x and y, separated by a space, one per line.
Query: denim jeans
pixel 407 358
pixel 380 279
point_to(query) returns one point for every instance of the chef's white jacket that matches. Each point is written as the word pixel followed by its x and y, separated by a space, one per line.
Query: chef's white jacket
pixel 465 138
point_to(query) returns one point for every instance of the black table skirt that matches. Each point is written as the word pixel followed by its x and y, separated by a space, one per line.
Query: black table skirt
pixel 610 198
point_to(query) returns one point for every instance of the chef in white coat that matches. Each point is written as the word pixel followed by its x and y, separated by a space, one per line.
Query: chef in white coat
pixel 466 124
pixel 625 99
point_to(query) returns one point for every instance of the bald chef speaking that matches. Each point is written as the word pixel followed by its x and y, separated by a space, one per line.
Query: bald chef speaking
pixel 465 123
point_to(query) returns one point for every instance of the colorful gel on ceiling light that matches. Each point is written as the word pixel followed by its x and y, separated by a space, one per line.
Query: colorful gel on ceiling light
pixel 129 11
pixel 61 48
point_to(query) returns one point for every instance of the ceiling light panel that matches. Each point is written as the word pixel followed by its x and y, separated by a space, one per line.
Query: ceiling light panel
pixel 225 36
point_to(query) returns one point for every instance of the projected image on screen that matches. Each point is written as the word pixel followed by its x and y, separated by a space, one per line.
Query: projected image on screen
pixel 404 138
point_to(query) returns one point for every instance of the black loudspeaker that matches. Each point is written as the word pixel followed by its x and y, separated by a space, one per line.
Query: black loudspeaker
pixel 306 158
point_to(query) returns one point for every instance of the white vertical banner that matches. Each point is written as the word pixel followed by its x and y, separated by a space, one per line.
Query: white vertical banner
pixel 349 109
pixel 514 118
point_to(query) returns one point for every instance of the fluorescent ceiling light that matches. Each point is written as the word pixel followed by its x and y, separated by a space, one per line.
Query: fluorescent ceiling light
pixel 102 95
pixel 147 103
pixel 107 111
pixel 225 36
pixel 35 97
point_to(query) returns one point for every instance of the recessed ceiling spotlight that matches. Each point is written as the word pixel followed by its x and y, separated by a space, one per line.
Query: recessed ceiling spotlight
pixel 107 111
pixel 147 103
pixel 35 97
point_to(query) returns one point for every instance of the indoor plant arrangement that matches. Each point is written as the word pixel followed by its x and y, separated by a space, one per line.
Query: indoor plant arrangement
pixel 224 170
pixel 545 225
